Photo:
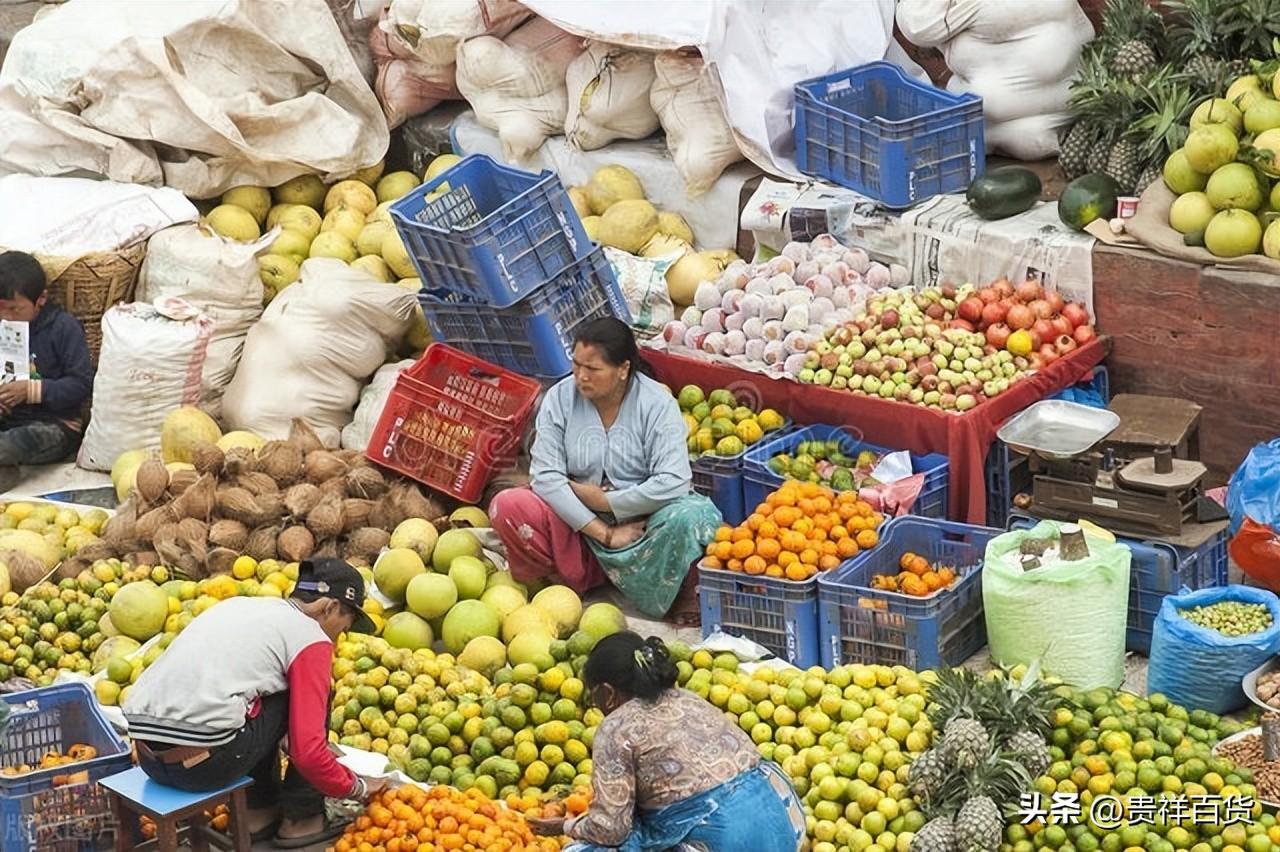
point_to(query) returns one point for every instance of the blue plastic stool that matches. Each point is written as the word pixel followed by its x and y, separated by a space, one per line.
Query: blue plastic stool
pixel 132 792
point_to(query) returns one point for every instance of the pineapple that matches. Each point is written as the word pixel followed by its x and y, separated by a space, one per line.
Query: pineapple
pixel 1031 750
pixel 1123 165
pixel 1130 31
pixel 1073 154
pixel 1132 59
pixel 978 825
pixel 964 742
pixel 1152 173
pixel 936 835
pixel 926 775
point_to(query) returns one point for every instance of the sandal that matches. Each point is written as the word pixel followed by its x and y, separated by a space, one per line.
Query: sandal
pixel 332 828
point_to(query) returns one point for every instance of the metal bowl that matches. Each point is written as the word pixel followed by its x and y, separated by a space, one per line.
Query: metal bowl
pixel 1249 683
pixel 1057 428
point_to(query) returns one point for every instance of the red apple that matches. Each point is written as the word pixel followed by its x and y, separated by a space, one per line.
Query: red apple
pixel 1028 291
pixel 1045 330
pixel 1064 343
pixel 1062 325
pixel 998 334
pixel 1048 354
pixel 993 312
pixel 1075 312
pixel 970 309
pixel 960 323
pixel 1041 309
pixel 1083 334
pixel 1019 317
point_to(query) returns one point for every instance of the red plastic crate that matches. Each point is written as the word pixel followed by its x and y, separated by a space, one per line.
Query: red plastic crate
pixel 452 421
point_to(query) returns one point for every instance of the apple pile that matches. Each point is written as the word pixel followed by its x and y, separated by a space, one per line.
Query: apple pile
pixel 944 347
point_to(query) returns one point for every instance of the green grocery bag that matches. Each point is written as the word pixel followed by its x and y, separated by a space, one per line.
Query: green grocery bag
pixel 1069 616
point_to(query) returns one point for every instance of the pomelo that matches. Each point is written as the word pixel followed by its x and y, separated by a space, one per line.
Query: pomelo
pixel 505 578
pixel 395 185
pixel 1235 186
pixel 233 223
pixel 471 516
pixel 139 609
pixel 299 217
pixel 528 646
pixel 1261 116
pixel 370 239
pixel 354 194
pixel 1207 148
pixel 345 221
pixel 1218 111
pixel 291 243
pixel 611 184
pixel 394 569
pixel 527 617
pixel 628 225
pixel 278 271
pixel 335 245
pixel 240 438
pixel 184 429
pixel 505 599
pixel 1271 241
pixel 406 630
pixel 484 654
pixel 1190 212
pixel 1179 176
pixel 591 225
pixel 304 189
pixel 255 199
pixel 466 621
pixel 1231 233
pixel 417 534
pixel 369 174
pixel 397 256
pixel 451 545
pixel 113 648
pixel 578 197
pixel 375 267
pixel 124 472
pixel 562 605
pixel 382 213
pixel 439 166
pixel 469 575
pixel 674 225
pixel 601 620
pixel 430 595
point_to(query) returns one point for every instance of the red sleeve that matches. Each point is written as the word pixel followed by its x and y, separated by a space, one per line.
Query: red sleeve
pixel 309 682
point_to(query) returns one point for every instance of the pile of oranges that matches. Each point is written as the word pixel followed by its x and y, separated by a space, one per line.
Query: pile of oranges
pixel 799 530
pixel 917 577
pixel 413 819
pixel 550 805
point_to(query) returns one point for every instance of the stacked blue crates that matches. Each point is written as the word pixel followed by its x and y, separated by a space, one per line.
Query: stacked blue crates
pixel 508 272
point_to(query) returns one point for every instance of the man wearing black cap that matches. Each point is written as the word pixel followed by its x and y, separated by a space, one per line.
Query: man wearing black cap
pixel 246 673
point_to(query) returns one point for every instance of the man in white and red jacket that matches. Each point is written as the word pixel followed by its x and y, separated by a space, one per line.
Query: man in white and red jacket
pixel 246 673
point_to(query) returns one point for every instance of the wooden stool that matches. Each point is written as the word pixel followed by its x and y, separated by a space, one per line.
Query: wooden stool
pixel 133 793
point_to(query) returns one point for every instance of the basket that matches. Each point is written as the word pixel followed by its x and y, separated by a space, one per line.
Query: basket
pixel 878 132
pixel 494 236
pixel 535 336
pixel 758 480
pixel 781 615
pixel 452 421
pixel 721 478
pixel 35 813
pixel 1158 569
pixel 857 623
pixel 92 284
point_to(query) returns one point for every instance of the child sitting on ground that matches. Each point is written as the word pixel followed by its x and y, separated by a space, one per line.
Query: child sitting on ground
pixel 40 416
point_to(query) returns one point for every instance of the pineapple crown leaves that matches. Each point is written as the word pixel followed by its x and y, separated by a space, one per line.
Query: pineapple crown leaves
pixel 999 775
pixel 1132 20
pixel 1165 105
pixel 1003 705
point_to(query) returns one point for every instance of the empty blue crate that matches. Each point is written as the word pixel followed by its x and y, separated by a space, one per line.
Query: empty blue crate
pixel 1159 568
pixel 758 480
pixel 878 132
pixel 535 336
pixel 779 614
pixel 34 813
pixel 720 480
pixel 494 235
pixel 859 624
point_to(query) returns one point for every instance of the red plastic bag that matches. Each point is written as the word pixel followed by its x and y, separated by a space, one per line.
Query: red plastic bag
pixel 896 498
pixel 1256 549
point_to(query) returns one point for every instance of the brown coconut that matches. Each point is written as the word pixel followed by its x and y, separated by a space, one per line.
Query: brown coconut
pixel 24 570
pixel 336 486
pixel 220 559
pixel 366 482
pixel 353 458
pixel 410 502
pixel 238 504
pixel 194 533
pixel 69 569
pixel 257 483
pixel 228 534
pixel 323 465
pixel 95 550
pixel 301 499
pixel 152 481
pixel 385 514
pixel 326 550
pixel 302 436
pixel 199 500
pixel 140 558
pixel 367 542
pixel 271 506
pixel 167 544
pixel 262 543
pixel 281 461
pixel 123 524
pixel 207 458
pixel 239 460
pixel 151 522
pixel 295 544
pixel 181 480
pixel 325 520
pixel 355 513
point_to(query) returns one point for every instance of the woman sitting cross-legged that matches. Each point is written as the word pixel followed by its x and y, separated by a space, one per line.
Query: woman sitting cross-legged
pixel 609 494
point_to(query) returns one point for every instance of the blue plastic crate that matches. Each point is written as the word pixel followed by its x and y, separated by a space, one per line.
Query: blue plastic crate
pixel 1158 569
pixel 859 624
pixel 781 615
pixel 1094 391
pixel 758 481
pixel 534 337
pixel 721 479
pixel 495 236
pixel 876 131
pixel 33 812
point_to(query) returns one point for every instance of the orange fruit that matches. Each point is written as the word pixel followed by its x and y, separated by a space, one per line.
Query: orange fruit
pixel 787 558
pixel 807 506
pixel 904 561
pixel 829 548
pixel 768 529
pixel 723 533
pixel 793 541
pixel 846 547
pixel 754 565
pixel 797 572
pixel 735 564
pixel 712 562
pixel 724 551
pixel 711 549
pixel 769 548
pixel 809 556
pixel 838 532
pixel 803 525
pixel 742 548
pixel 775 571
pixel 754 521
pixel 741 534
pixel 867 539
pixel 827 563
pixel 765 509
pixel 782 497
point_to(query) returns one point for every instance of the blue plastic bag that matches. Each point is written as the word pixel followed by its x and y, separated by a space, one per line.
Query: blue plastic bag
pixel 1254 489
pixel 1200 668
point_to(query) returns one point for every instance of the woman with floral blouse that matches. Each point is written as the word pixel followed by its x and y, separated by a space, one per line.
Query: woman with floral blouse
pixel 669 769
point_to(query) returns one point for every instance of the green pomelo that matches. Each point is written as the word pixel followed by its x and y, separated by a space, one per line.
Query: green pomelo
pixel 430 595
pixel 394 569
pixel 139 610
pixel 451 545
pixel 1179 176
pixel 484 654
pixel 562 605
pixel 466 621
pixel 406 630
pixel 1191 212
pixel 1231 233
pixel 529 646
pixel 527 617
pixel 601 620
pixel 469 574
pixel 505 599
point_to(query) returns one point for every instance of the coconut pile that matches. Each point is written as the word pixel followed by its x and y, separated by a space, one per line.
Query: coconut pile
pixel 290 500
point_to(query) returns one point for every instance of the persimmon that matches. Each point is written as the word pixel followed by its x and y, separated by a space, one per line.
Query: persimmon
pixel 867 539
pixel 932 581
pixel 769 548
pixel 846 547
pixel 754 565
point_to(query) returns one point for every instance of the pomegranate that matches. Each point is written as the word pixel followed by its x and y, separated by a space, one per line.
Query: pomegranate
pixel 1047 353
pixel 1045 330
pixel 1075 312
pixel 1020 316
pixel 1036 340
pixel 970 309
pixel 998 334
pixel 993 313
pixel 1064 343
pixel 1003 287
pixel 1062 325
pixel 1084 333
pixel 988 295
pixel 1028 291
pixel 1055 300
pixel 961 323
pixel 1040 308
pixel 1035 362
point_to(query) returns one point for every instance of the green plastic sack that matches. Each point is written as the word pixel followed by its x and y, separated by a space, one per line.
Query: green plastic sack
pixel 1071 617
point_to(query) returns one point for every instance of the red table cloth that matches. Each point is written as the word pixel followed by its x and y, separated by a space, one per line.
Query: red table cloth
pixel 964 438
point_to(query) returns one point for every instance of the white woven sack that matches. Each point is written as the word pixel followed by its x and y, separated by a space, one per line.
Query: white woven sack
pixel 698 134
pixel 608 89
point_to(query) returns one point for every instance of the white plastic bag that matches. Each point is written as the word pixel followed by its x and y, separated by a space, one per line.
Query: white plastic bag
pixel 643 281
pixel 517 87
pixel 1019 57
pixel 152 357
pixel 356 434
pixel 405 85
pixel 698 134
pixel 608 89
pixel 316 344
pixel 435 28
pixel 220 277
